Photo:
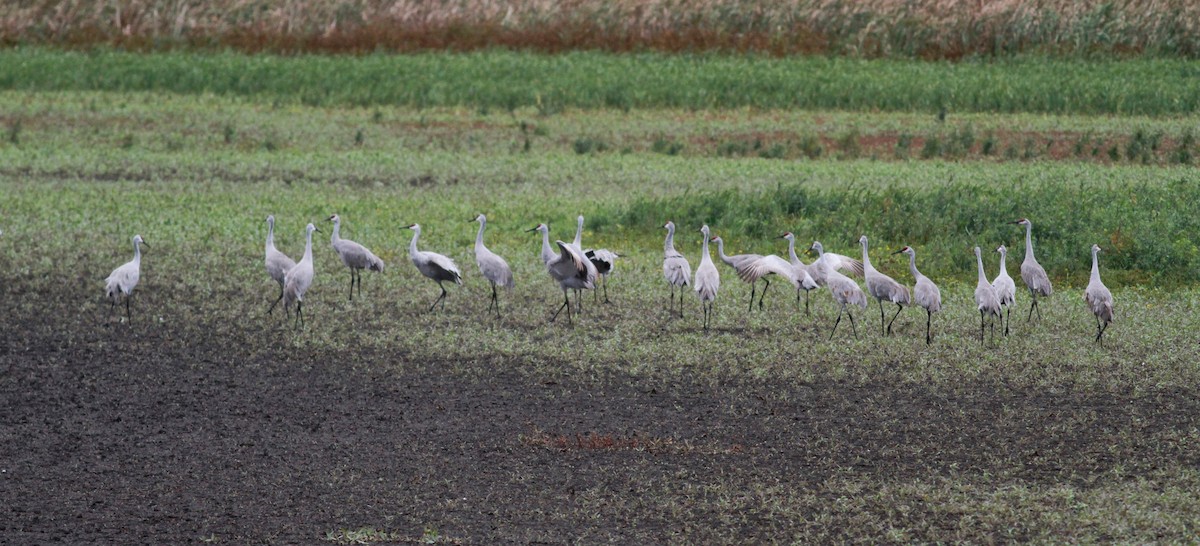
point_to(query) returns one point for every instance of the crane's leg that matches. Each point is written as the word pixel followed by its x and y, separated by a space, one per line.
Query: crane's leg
pixel 981 326
pixel 359 277
pixel 836 322
pixel 992 327
pixel 704 307
pixel 764 293
pixel 1008 315
pixel 853 328
pixel 277 300
pixel 898 309
pixel 1100 336
pixel 495 301
pixel 351 284
pixel 299 315
pixel 928 324
pixel 753 287
pixel 566 305
pixel 806 300
pixel 881 319
pixel 128 315
pixel 606 289
pixel 1032 305
pixel 681 302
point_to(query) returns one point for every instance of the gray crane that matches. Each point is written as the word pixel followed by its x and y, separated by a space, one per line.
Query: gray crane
pixel 1006 289
pixel 882 287
pixel 277 262
pixel 843 289
pixel 568 267
pixel 299 278
pixel 121 282
pixel 1098 298
pixel 743 265
pixel 925 293
pixel 602 259
pixel 355 256
pixel 676 268
pixel 986 299
pixel 1032 273
pixel 491 266
pixel 801 271
pixel 708 280
pixel 433 265
pixel 829 261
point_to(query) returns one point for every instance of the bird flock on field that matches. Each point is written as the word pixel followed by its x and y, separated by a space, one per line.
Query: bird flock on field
pixel 574 268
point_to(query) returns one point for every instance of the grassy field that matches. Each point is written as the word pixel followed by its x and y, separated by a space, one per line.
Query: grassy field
pixel 767 431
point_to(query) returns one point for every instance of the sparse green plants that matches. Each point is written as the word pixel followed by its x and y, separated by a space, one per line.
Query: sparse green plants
pixel 848 147
pixel 666 146
pixel 14 132
pixel 811 146
pixel 588 145
pixel 903 145
pixel 932 147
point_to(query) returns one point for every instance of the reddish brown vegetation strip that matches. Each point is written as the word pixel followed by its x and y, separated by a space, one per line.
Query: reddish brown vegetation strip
pixel 924 28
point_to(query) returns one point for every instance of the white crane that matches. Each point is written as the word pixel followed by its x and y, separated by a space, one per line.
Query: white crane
pixel 567 267
pixel 1098 298
pixel 491 266
pixel 1032 273
pixel 277 262
pixel 1006 289
pixel 986 299
pixel 433 265
pixel 844 290
pixel 602 260
pixel 299 278
pixel 708 279
pixel 122 280
pixel 925 293
pixel 355 256
pixel 676 268
pixel 743 265
pixel 801 271
pixel 882 287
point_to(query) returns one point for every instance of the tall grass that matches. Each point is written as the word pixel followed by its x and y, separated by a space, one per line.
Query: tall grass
pixel 929 29
pixel 507 81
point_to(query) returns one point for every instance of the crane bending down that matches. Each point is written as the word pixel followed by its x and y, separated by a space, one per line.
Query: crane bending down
pixel 1032 273
pixel 676 268
pixel 1006 289
pixel 985 298
pixel 883 287
pixel 559 267
pixel 299 278
pixel 742 264
pixel 355 256
pixel 708 279
pixel 843 289
pixel 925 293
pixel 433 265
pixel 491 266
pixel 1098 298
pixel 593 270
pixel 122 280
pixel 277 262
pixel 801 271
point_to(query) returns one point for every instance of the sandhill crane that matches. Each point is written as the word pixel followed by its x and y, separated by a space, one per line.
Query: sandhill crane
pixel 742 265
pixel 592 270
pixel 985 298
pixel 925 293
pixel 299 278
pixel 122 280
pixel 829 261
pixel 1006 289
pixel 883 287
pixel 355 256
pixel 676 268
pixel 602 259
pixel 567 267
pixel 277 262
pixel 491 266
pixel 433 265
pixel 844 290
pixel 708 279
pixel 1098 298
pixel 1032 273
pixel 801 271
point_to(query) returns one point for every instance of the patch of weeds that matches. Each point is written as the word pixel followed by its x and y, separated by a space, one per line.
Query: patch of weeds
pixel 229 133
pixel 1183 151
pixel 904 145
pixel 733 148
pixel 665 146
pixel 932 147
pixel 1029 149
pixel 848 147
pixel 174 144
pixel 358 137
pixel 377 116
pixel 988 147
pixel 127 141
pixel 811 147
pixel 270 142
pixel 1114 153
pixel 1080 145
pixel 587 145
pixel 367 535
pixel 775 151
pixel 1138 147
pixel 961 142
pixel 1011 153
pixel 14 132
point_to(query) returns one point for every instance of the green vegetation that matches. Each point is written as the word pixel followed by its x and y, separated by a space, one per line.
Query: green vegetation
pixel 507 81
pixel 196 175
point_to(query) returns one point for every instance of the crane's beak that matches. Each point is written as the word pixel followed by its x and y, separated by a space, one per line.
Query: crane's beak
pixel 145 244
pixel 531 230
pixel 901 251
pixel 317 229
pixel 330 219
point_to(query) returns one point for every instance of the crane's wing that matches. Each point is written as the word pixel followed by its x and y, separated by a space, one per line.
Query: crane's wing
pixel 570 258
pixel 767 265
pixel 446 264
pixel 845 263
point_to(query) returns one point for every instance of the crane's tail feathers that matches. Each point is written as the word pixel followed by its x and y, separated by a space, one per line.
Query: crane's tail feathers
pixel 376 264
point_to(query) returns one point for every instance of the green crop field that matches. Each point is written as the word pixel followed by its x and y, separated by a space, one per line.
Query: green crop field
pixel 382 421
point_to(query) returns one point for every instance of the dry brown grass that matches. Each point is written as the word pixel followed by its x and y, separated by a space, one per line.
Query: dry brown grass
pixel 872 28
